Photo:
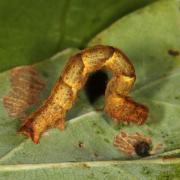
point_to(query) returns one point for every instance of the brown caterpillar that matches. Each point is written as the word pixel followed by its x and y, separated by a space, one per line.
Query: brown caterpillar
pixel 118 105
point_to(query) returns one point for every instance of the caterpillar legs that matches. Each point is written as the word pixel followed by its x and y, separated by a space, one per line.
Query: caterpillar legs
pixel 118 105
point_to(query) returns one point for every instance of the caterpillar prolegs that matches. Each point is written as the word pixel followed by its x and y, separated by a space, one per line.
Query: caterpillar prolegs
pixel 118 105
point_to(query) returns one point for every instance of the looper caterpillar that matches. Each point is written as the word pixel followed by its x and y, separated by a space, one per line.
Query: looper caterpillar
pixel 118 105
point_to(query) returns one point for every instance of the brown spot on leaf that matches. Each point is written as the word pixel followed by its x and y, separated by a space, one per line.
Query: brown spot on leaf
pixel 85 165
pixel 169 158
pixel 127 143
pixel 26 85
pixel 96 154
pixel 137 143
pixel 106 140
pixel 81 145
pixel 173 52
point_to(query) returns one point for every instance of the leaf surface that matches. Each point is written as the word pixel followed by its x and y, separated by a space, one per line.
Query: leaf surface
pixel 85 149
pixel 32 31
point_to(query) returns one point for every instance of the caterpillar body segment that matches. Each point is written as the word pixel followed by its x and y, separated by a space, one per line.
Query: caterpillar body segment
pixel 118 105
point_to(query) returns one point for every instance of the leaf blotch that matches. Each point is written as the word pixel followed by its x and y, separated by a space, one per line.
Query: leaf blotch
pixel 98 132
pixel 96 154
pixel 91 176
pixel 173 52
pixel 26 85
pixel 106 140
pixel 145 170
pixel 85 165
pixel 132 144
pixel 81 144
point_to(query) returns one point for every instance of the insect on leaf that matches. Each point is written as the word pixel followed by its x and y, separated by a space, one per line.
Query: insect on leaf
pixel 150 37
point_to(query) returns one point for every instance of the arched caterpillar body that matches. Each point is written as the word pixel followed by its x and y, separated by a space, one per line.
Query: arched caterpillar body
pixel 117 104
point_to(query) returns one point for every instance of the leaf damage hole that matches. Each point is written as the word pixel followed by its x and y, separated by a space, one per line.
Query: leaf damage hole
pixel 142 149
pixel 173 52
pixel 26 85
pixel 96 85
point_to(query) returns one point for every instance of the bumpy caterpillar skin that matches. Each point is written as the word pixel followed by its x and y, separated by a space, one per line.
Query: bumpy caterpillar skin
pixel 118 105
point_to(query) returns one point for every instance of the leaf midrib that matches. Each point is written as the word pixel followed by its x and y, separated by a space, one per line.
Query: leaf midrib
pixel 87 164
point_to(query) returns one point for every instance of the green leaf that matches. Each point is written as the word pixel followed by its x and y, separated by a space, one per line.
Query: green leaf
pixel 85 149
pixel 31 31
pixel 149 36
pixel 124 170
pixel 53 156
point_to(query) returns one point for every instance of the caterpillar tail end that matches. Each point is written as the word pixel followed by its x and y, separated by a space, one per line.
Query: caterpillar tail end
pixel 139 114
pixel 28 131
pixel 125 109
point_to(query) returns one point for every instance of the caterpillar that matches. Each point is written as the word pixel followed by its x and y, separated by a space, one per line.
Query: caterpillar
pixel 118 105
